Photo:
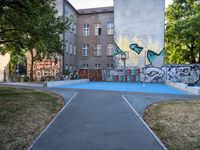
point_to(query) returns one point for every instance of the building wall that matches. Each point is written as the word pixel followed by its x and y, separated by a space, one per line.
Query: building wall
pixel 59 6
pixel 70 36
pixel 103 39
pixel 142 23
pixel 175 73
pixel 4 65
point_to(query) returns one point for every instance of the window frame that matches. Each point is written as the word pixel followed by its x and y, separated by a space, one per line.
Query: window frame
pixel 85 50
pixel 110 49
pixel 86 30
pixel 110 28
pixel 97 50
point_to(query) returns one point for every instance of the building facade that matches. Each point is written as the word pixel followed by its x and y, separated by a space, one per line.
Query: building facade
pixel 70 38
pixel 133 26
pixel 95 38
pixel 88 42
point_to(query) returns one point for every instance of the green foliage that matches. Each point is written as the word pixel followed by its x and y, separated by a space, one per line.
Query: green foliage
pixel 30 24
pixel 183 32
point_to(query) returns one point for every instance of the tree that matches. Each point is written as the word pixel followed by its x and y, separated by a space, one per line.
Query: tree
pixel 31 25
pixel 183 31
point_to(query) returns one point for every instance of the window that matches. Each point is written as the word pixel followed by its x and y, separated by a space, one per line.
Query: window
pixel 74 28
pixel 71 48
pixel 110 50
pixel 70 67
pixel 97 50
pixel 85 49
pixel 97 29
pixel 85 66
pixel 74 50
pixel 109 66
pixel 86 30
pixel 67 47
pixel 97 66
pixel 110 28
pixel 66 67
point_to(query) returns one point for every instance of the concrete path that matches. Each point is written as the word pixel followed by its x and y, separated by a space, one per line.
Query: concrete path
pixel 97 121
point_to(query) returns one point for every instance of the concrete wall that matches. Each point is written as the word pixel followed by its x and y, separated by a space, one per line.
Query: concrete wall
pixel 172 73
pixel 142 23
pixel 59 6
pixel 104 39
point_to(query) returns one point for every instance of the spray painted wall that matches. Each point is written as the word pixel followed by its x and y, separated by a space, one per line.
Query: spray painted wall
pixel 174 73
pixel 139 29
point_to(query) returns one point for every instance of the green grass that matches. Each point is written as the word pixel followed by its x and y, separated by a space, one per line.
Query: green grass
pixel 177 123
pixel 23 115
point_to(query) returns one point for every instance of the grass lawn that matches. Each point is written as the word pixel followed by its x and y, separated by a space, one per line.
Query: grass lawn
pixel 177 123
pixel 23 115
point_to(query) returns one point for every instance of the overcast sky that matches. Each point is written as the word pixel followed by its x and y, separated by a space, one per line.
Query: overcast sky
pixel 80 4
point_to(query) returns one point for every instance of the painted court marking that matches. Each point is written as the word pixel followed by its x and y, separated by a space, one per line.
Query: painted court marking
pixel 52 121
pixel 152 133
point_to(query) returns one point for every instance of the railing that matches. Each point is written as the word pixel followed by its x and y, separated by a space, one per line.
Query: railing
pixel 114 75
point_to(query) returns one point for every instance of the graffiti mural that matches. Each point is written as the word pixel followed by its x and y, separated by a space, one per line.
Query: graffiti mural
pixel 152 74
pixel 136 48
pixel 173 73
pixel 155 59
pixel 45 68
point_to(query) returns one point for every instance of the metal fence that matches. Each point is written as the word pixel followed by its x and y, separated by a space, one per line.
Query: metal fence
pixel 114 75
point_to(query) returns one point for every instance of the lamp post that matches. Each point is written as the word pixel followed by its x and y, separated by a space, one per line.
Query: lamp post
pixel 124 56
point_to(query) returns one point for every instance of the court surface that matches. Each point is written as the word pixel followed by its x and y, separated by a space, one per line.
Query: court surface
pixel 125 87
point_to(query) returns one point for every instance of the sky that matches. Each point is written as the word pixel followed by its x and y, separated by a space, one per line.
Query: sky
pixel 81 4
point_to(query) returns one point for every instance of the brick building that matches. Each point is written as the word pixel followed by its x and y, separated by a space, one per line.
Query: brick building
pixel 89 39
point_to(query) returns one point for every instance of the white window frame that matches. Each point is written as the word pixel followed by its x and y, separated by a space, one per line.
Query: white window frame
pixel 97 66
pixel 110 49
pixel 110 28
pixel 97 29
pixel 85 66
pixel 97 50
pixel 74 28
pixel 109 66
pixel 86 29
pixel 71 48
pixel 85 51
pixel 66 66
pixel 66 47
pixel 74 50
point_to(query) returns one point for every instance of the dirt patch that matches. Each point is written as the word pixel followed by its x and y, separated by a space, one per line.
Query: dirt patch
pixel 23 115
pixel 177 123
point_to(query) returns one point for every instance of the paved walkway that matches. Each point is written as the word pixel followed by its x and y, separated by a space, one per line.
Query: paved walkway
pixel 101 120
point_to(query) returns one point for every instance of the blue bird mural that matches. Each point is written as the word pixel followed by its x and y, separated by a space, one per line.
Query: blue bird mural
pixel 152 56
pixel 136 48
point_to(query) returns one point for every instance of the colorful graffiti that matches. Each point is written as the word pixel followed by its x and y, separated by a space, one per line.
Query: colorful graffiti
pixel 44 69
pixel 142 51
pixel 174 73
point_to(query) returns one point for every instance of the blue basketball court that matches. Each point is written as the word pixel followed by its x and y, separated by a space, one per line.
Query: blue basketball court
pixel 125 87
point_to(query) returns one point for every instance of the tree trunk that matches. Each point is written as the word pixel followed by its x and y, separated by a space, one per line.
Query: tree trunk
pixel 199 58
pixel 193 60
pixel 32 63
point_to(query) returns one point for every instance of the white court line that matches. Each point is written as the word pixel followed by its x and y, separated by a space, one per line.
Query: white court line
pixel 31 146
pixel 152 133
